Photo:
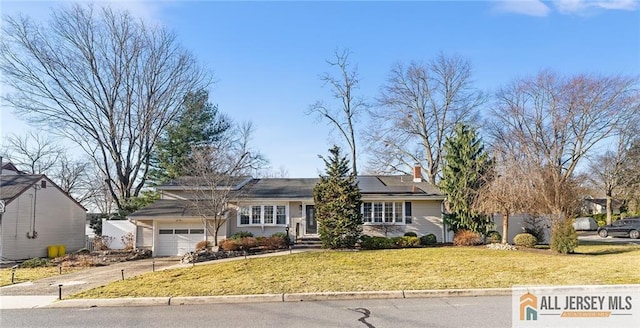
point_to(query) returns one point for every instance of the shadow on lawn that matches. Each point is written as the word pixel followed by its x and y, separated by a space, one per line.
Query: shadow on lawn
pixel 611 249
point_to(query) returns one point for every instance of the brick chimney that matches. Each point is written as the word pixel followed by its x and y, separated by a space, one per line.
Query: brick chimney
pixel 417 173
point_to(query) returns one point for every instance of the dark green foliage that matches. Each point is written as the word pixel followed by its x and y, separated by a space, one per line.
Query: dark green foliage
pixel 337 202
pixel 466 166
pixel 199 125
pixel 564 238
pixel 410 234
pixel 35 263
pixel 466 238
pixel 428 239
pixel 95 222
pixel 525 240
pixel 536 226
pixel 241 234
pixel 494 237
pixel 133 204
pixel 374 242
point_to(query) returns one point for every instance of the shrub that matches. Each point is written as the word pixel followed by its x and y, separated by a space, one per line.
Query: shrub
pixel 275 242
pixel 229 245
pixel 410 234
pixel 241 234
pixel 102 243
pixel 536 226
pixel 409 241
pixel 128 241
pixel 494 237
pixel 247 243
pixel 428 239
pixel 284 237
pixel 466 238
pixel 525 240
pixel 202 245
pixel 35 263
pixel 564 238
pixel 374 242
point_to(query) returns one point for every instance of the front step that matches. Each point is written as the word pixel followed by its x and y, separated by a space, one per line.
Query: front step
pixel 308 243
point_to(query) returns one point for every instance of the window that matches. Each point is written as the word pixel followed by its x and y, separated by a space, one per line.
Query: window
pixel 196 231
pixel 166 231
pixel 268 215
pixel 182 231
pixel 408 218
pixel 281 214
pixel 244 215
pixel 256 215
pixel 262 214
pixel 382 212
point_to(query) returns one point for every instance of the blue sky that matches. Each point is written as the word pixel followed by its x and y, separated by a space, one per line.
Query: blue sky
pixel 266 56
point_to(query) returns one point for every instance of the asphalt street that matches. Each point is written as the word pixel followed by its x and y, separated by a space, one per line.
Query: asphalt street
pixel 493 311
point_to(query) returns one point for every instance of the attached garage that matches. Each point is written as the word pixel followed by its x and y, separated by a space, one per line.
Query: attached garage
pixel 178 239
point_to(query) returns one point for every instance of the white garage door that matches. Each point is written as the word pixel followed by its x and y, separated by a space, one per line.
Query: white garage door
pixel 178 240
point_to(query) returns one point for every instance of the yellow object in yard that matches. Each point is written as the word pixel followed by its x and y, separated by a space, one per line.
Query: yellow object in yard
pixel 61 250
pixel 52 251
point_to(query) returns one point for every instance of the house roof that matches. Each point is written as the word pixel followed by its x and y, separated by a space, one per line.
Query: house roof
pixel 8 166
pixel 12 186
pixel 175 208
pixel 224 182
pixel 279 188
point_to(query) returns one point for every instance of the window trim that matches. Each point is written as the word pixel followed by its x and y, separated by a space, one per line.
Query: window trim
pixel 250 208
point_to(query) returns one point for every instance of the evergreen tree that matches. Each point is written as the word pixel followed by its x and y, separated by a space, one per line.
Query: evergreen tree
pixel 199 125
pixel 337 202
pixel 466 168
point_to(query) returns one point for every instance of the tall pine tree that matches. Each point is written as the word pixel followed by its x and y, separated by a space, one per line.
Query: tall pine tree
pixel 466 168
pixel 198 126
pixel 337 202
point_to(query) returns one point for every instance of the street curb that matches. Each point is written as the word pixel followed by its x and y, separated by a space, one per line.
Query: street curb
pixel 108 302
pixel 331 296
pixel 258 298
pixel 271 298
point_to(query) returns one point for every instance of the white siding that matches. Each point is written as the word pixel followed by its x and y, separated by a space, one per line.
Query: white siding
pixel 117 229
pixel 59 221
pixel 144 235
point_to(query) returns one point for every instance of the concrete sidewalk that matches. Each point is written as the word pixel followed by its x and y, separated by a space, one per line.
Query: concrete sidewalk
pixel 45 291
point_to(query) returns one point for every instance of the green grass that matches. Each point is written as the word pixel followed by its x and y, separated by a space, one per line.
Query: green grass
pixel 408 269
pixel 31 274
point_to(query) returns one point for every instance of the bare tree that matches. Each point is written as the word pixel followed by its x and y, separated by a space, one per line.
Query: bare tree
pixel 72 176
pixel 508 190
pixel 343 117
pixel 418 107
pixel 33 152
pixel 280 172
pixel 552 122
pixel 103 79
pixel 216 172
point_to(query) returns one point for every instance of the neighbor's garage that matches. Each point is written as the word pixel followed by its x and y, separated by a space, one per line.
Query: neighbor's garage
pixel 178 239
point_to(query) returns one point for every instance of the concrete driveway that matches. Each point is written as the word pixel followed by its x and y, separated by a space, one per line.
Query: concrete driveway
pixel 44 291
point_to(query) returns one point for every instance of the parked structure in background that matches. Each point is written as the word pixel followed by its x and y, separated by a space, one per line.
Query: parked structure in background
pixel 391 205
pixel 36 214
pixel 599 206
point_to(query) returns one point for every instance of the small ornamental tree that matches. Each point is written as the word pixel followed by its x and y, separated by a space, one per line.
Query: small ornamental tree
pixel 337 203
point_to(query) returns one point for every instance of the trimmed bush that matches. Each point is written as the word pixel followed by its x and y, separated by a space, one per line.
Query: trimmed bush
pixel 494 237
pixel 525 240
pixel 409 241
pixel 274 242
pixel 428 239
pixel 229 245
pixel 284 237
pixel 35 263
pixel 410 234
pixel 564 238
pixel 466 238
pixel 241 234
pixel 202 245
pixel 374 242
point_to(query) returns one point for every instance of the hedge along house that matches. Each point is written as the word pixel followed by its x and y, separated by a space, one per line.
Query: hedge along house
pixel 391 205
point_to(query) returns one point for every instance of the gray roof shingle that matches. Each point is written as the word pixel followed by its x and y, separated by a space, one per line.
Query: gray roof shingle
pixel 11 186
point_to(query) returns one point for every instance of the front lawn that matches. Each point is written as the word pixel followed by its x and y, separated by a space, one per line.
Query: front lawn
pixel 31 274
pixel 404 269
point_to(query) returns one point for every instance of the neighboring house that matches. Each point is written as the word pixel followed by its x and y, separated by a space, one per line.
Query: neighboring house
pixel 599 205
pixel 391 204
pixel 35 213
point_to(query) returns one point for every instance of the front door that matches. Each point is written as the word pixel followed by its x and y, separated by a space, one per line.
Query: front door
pixel 311 224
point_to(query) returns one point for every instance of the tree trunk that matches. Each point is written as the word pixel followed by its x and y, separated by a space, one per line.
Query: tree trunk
pixel 609 209
pixel 505 227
